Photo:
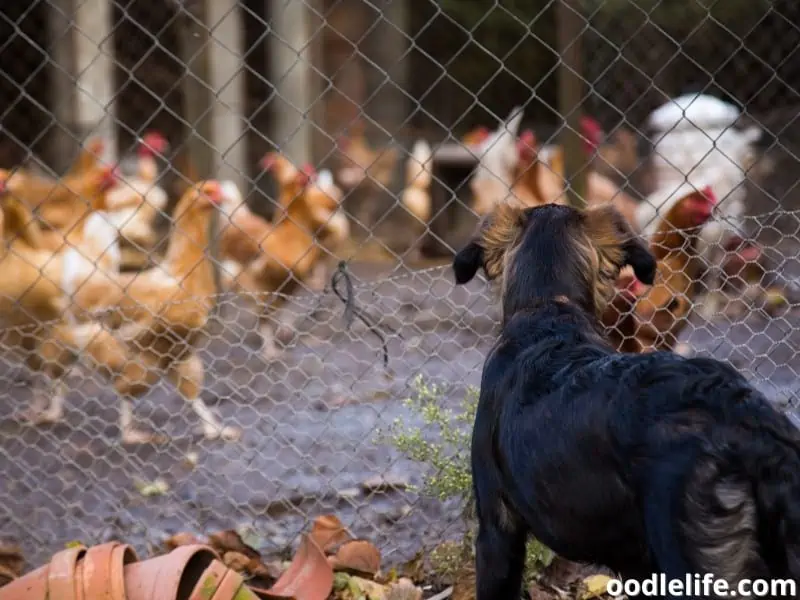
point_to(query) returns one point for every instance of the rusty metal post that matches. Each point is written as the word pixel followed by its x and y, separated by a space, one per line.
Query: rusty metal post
pixel 570 24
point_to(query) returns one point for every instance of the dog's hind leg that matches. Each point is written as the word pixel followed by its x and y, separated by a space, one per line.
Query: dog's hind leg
pixel 499 553
pixel 700 521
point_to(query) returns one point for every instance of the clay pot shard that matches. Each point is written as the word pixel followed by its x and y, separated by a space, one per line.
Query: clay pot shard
pixel 309 576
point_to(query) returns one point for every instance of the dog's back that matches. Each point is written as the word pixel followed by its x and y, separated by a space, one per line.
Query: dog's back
pixel 681 455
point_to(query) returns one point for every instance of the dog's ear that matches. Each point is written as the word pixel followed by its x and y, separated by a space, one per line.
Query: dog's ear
pixel 496 235
pixel 609 230
pixel 467 262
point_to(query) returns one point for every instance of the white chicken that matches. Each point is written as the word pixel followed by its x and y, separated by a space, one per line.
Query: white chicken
pixel 498 157
pixel 695 141
pixel 416 196
pixel 135 202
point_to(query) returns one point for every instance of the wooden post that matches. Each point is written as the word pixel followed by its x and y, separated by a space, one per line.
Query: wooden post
pixel 290 66
pixel 83 77
pixel 321 146
pixel 388 104
pixel 197 96
pixel 227 83
pixel 570 24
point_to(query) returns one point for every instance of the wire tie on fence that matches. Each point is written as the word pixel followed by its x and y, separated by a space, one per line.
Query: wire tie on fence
pixel 351 311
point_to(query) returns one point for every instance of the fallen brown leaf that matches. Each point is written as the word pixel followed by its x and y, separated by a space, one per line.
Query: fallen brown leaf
pixel 403 589
pixel 385 483
pixel 236 561
pixel 6 576
pixel 181 539
pixel 11 559
pixel 464 587
pixel 537 592
pixel 270 571
pixel 358 557
pixel 562 573
pixel 231 541
pixel 328 532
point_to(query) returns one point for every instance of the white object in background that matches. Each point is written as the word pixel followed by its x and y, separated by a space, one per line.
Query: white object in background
pixel 693 111
pixel 695 143
pixel 497 158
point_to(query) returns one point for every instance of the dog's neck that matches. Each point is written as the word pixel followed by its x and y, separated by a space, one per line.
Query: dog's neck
pixel 548 292
pixel 537 304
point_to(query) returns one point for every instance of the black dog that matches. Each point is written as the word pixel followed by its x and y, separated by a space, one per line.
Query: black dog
pixel 647 463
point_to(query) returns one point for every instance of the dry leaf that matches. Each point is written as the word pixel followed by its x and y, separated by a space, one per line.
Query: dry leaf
pixel 236 561
pixel 159 487
pixel 191 459
pixel 403 589
pixel 11 560
pixel 183 538
pixel 775 298
pixel 370 589
pixel 73 544
pixel 357 556
pixel 594 586
pixel 464 587
pixel 6 576
pixel 231 541
pixel 270 570
pixel 537 592
pixel 328 531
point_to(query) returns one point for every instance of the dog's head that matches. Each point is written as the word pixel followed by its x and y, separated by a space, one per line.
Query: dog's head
pixel 554 251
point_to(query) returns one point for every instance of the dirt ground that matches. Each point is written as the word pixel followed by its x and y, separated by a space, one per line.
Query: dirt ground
pixel 310 418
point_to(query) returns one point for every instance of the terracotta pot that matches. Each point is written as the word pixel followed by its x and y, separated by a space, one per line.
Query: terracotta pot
pixel 232 587
pixel 170 576
pixel 103 571
pixel 309 576
pixel 62 580
pixel 32 586
pixel 209 581
pixel 54 580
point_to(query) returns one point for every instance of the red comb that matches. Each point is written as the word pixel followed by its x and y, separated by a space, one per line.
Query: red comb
pixel 309 170
pixel 709 193
pixel 303 176
pixel 526 142
pixel 109 177
pixel 153 141
pixel 268 161
pixel 213 190
pixel 592 131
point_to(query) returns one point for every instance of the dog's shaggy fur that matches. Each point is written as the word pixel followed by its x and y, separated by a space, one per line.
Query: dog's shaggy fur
pixel 645 464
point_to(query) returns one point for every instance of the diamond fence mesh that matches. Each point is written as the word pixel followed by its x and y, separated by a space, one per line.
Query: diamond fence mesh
pixel 189 356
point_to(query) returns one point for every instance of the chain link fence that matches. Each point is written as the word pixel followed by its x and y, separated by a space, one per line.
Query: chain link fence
pixel 300 307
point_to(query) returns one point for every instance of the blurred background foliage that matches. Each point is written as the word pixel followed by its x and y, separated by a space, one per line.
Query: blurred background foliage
pixel 636 54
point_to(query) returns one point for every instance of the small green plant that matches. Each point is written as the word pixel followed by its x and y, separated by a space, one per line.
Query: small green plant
pixel 442 444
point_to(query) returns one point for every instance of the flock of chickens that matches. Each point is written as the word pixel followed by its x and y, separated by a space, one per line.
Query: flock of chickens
pixel 89 277
pixel 68 293
pixel 693 223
